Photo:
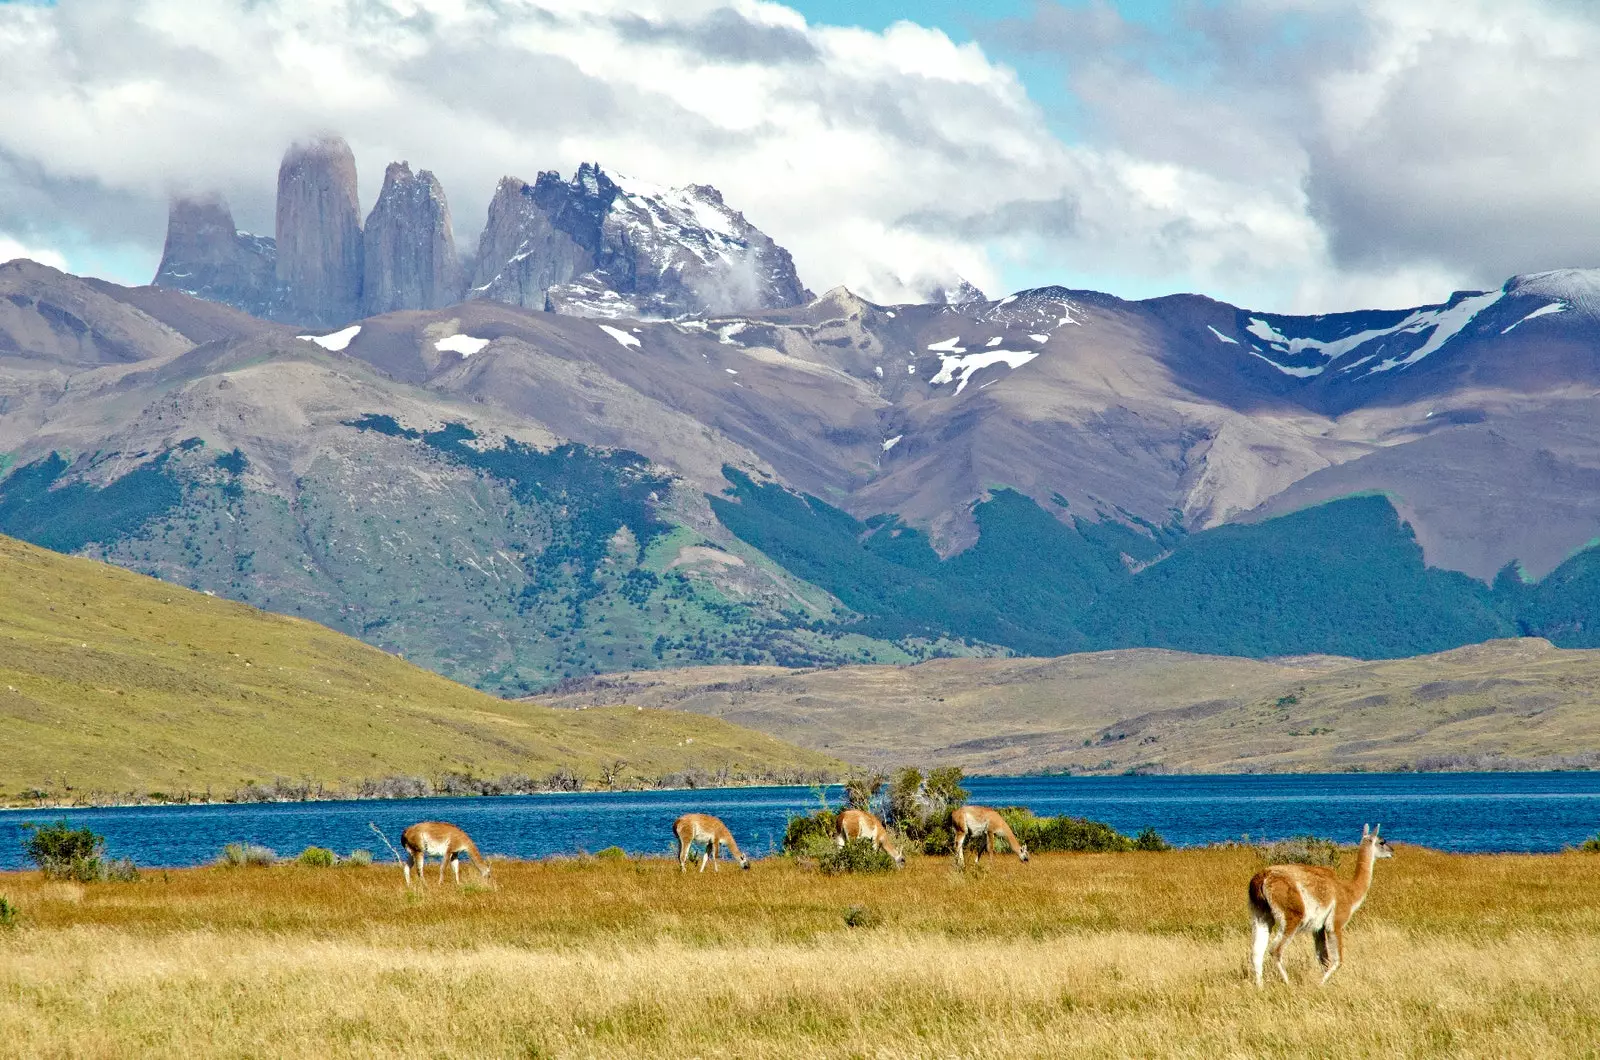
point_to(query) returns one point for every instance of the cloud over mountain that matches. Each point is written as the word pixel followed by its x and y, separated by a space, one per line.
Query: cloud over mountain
pixel 1271 151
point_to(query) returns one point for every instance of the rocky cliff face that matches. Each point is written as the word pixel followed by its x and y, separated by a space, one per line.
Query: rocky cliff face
pixel 206 256
pixel 409 250
pixel 522 253
pixel 319 265
pixel 597 247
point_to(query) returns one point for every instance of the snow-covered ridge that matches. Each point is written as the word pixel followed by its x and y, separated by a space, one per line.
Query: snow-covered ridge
pixel 1441 323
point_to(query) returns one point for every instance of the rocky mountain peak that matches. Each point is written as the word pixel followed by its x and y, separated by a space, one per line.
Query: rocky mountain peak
pixel 206 256
pixel 409 250
pixel 319 266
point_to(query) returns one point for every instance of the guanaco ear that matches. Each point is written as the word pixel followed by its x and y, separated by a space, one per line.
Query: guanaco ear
pixel 1366 830
pixel 1378 829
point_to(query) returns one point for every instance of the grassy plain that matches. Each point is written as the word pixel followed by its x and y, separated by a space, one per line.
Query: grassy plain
pixel 1502 704
pixel 1071 955
pixel 113 682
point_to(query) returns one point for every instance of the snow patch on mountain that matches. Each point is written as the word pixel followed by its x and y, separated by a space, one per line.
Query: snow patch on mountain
pixel 959 369
pixel 624 339
pixel 1553 307
pixel 1221 337
pixel 465 345
pixel 335 341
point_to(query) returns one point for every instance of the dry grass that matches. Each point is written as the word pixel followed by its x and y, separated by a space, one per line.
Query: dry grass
pixel 1503 704
pixel 1091 955
pixel 114 682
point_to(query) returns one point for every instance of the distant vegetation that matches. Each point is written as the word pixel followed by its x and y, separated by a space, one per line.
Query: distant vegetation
pixel 917 806
pixel 1343 578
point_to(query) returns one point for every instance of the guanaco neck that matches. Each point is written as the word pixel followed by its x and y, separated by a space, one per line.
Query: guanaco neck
pixel 733 848
pixel 1366 857
pixel 472 850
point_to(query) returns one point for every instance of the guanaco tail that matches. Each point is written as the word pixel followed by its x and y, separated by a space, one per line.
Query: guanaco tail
pixel 976 821
pixel 859 824
pixel 694 828
pixel 443 841
pixel 1285 899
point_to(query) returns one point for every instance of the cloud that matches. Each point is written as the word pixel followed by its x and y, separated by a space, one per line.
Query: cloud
pixel 1279 153
pixel 12 248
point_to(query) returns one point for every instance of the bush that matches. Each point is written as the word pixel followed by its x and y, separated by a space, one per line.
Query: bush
pixel 801 830
pixel 358 858
pixel 9 913
pixel 1150 839
pixel 247 855
pixel 65 853
pixel 317 858
pixel 612 854
pixel 122 870
pixel 1073 834
pixel 1301 850
pixel 856 856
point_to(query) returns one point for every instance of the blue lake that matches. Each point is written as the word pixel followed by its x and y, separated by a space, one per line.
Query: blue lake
pixel 1450 811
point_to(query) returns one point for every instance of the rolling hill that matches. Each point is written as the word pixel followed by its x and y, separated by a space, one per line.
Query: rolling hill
pixel 112 683
pixel 1509 704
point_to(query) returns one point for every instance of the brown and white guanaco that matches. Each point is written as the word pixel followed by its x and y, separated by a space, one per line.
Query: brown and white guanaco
pixel 859 824
pixel 976 821
pixel 694 828
pixel 1285 899
pixel 441 840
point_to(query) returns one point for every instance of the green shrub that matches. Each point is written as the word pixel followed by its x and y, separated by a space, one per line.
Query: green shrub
pixel 65 853
pixel 1150 839
pixel 1590 845
pixel 1075 834
pixel 247 855
pixel 358 858
pixel 612 854
pixel 1301 850
pixel 317 858
pixel 9 913
pixel 856 856
pixel 802 829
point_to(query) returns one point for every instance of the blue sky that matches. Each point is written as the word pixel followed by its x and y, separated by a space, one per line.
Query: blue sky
pixel 1279 154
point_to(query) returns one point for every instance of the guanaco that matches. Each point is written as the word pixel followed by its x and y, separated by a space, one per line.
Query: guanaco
pixel 978 821
pixel 442 840
pixel 859 824
pixel 694 828
pixel 1284 899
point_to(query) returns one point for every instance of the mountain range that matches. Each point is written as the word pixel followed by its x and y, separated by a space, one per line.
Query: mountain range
pixel 623 435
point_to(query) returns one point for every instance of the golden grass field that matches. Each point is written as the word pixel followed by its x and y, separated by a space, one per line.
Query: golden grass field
pixel 1071 955
pixel 1503 704
pixel 113 682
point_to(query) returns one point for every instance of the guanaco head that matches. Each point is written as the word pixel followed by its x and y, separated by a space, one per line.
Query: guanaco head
pixel 1380 845
pixel 744 863
pixel 1022 852
pixel 483 869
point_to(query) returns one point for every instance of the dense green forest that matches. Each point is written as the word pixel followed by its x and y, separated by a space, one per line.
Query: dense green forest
pixel 1346 578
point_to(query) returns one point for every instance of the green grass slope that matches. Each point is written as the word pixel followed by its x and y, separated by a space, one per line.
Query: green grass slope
pixel 112 682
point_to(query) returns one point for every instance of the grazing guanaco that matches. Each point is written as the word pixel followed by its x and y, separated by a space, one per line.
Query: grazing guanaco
pixel 1284 899
pixel 859 824
pixel 978 821
pixel 694 828
pixel 442 840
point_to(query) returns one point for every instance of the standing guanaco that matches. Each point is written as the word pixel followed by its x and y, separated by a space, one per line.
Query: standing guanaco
pixel 442 840
pixel 694 828
pixel 1284 899
pixel 859 824
pixel 978 821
